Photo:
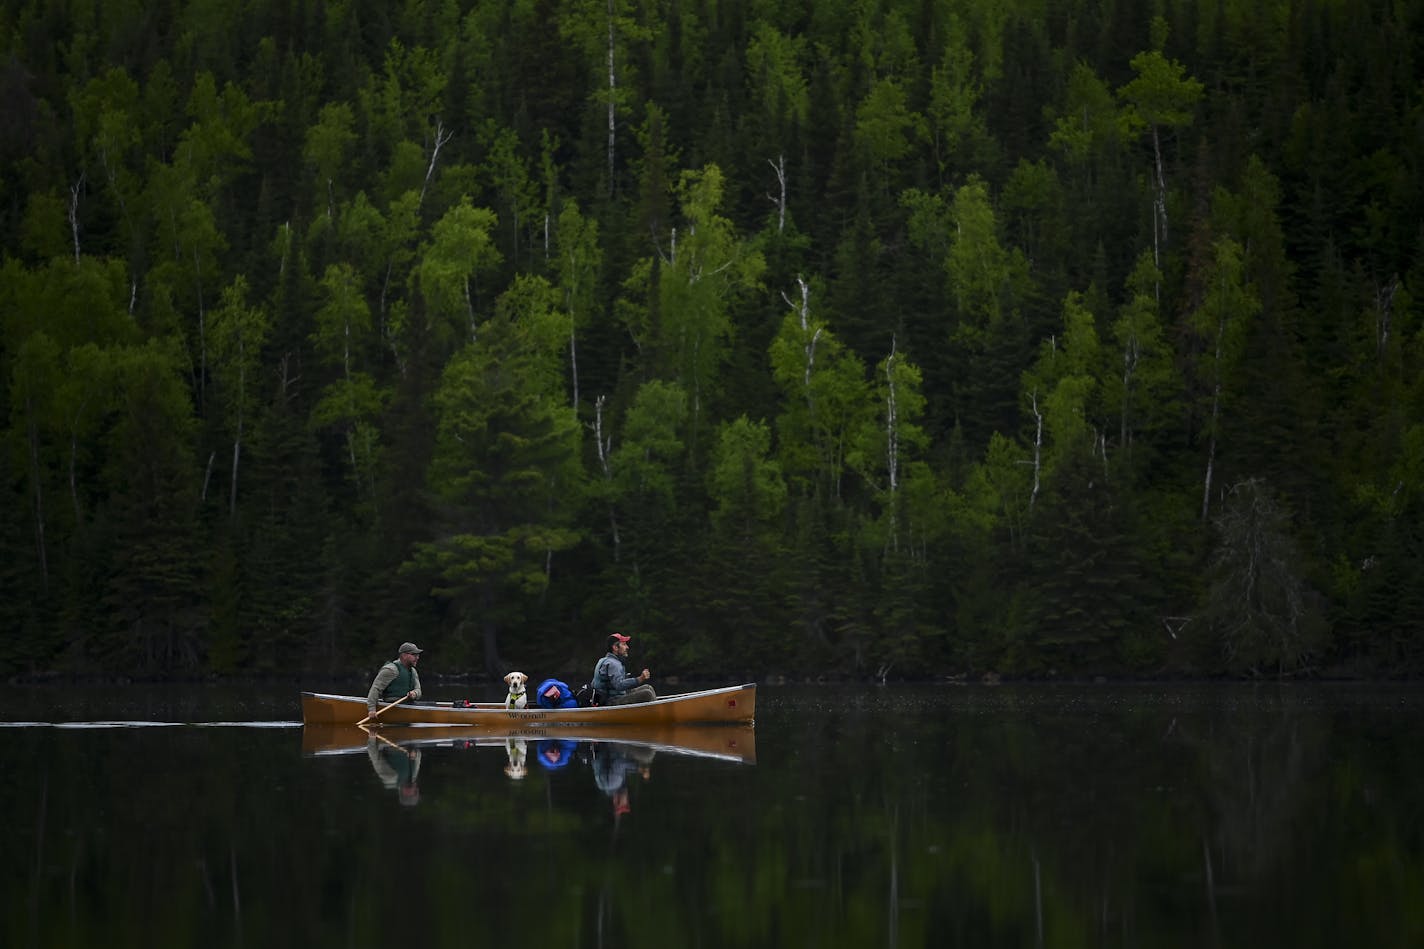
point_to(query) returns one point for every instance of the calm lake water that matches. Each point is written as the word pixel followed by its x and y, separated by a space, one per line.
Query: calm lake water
pixel 1082 816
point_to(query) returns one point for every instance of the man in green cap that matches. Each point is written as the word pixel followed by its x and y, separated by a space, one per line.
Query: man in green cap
pixel 396 679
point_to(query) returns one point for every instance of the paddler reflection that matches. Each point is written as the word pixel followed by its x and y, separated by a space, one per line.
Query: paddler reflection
pixel 613 764
pixel 397 767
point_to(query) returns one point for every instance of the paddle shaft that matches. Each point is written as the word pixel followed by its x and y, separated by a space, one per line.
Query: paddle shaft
pixel 382 738
pixel 377 714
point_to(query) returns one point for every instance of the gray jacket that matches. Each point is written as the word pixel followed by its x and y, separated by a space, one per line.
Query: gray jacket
pixel 611 678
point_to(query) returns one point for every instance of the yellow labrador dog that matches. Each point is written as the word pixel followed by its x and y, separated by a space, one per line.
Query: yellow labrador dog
pixel 517 697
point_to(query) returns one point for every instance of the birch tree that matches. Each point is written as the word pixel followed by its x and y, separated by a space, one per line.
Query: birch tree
pixel 460 251
pixel 328 148
pixel 1143 390
pixel 516 188
pixel 186 269
pixel 827 401
pixel 580 259
pixel 608 31
pixel 401 105
pixel 1221 324
pixel 239 332
pixel 985 282
pixel 1062 391
pixel 1159 98
pixel 888 446
pixel 705 271
pixel 109 128
pixel 641 470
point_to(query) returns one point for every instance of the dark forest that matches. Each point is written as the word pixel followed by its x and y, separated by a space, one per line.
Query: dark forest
pixel 856 338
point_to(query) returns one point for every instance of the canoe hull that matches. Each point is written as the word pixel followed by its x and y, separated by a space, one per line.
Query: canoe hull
pixel 734 705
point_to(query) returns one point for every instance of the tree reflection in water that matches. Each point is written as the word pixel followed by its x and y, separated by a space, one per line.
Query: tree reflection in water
pixel 904 816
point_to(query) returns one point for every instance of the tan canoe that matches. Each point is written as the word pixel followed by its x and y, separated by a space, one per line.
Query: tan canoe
pixel 728 743
pixel 733 705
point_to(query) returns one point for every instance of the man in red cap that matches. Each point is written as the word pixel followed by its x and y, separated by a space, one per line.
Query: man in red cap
pixel 611 676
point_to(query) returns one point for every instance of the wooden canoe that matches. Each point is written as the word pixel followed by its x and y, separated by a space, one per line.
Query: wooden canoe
pixel 733 705
pixel 728 743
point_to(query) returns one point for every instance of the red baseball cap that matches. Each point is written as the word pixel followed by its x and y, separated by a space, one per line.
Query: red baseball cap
pixel 619 637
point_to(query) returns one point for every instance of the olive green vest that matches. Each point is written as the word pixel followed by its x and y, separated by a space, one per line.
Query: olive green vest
pixel 401 684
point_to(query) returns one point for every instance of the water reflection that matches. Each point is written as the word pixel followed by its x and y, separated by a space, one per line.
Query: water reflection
pixel 900 817
pixel 613 757
pixel 397 767
pixel 613 764
pixel 517 751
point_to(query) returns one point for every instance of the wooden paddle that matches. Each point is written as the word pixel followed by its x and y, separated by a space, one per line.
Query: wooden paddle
pixel 383 709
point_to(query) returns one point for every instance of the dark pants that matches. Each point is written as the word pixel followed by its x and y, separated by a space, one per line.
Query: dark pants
pixel 643 693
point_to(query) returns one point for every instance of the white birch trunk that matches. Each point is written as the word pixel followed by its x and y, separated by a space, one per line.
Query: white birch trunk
pixel 1037 449
pixel 236 454
pixel 237 439
pixel 612 90
pixel 604 447
pixel 74 190
pixel 1130 354
pixel 803 314
pixel 442 135
pixel 573 362
pixel 470 308
pixel 350 399
pixel 1384 310
pixel 779 166
pixel 1215 416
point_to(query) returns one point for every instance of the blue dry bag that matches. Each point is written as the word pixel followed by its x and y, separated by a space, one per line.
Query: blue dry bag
pixel 553 693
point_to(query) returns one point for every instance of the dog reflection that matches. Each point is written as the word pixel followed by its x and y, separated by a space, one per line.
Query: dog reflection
pixel 517 749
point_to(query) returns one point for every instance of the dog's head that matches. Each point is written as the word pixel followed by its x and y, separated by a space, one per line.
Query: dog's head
pixel 515 681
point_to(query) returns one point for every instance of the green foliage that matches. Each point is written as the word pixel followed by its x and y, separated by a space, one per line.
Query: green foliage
pixel 492 235
pixel 461 250
pixel 826 400
pixel 1161 94
pixel 505 464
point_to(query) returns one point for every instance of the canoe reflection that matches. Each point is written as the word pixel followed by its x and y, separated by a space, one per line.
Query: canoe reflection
pixel 724 742
pixel 614 754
